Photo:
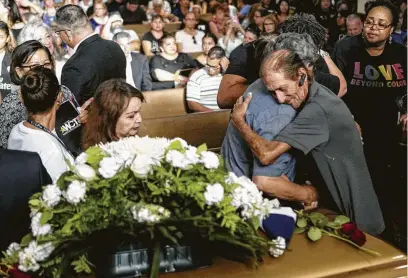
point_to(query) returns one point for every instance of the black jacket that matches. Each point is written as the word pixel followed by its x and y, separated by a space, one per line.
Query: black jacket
pixel 95 61
pixel 22 174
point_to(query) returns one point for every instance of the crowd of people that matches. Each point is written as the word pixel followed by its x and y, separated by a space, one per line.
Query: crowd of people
pixel 317 92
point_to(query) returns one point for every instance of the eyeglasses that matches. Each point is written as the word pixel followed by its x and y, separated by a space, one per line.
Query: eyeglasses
pixel 59 31
pixel 213 67
pixel 380 25
pixel 47 65
pixel 194 40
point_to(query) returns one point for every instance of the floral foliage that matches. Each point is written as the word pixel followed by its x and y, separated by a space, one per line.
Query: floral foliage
pixel 140 185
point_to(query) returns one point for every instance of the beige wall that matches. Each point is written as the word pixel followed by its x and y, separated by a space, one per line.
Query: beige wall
pixel 360 5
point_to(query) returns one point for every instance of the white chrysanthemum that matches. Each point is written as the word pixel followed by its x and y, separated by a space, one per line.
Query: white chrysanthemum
pixel 177 159
pixel 43 251
pixel 13 247
pixel 149 213
pixel 27 261
pixel 38 229
pixel 75 192
pixel 51 195
pixel 278 248
pixel 232 178
pixel 183 142
pixel 191 155
pixel 210 160
pixel 142 165
pixel 85 172
pixel 109 166
pixel 214 194
pixel 81 159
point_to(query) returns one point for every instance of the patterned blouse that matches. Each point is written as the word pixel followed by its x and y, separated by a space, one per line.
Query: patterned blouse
pixel 12 112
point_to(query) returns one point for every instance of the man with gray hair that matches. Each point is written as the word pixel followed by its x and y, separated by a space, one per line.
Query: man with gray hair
pixel 267 118
pixel 94 60
pixel 354 25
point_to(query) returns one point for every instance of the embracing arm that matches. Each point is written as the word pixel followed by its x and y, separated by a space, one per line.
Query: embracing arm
pixel 334 70
pixel 266 151
pixel 231 88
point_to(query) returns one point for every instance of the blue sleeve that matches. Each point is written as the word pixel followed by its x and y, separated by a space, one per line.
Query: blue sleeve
pixel 269 128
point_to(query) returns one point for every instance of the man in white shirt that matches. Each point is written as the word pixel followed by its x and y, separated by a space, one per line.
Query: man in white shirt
pixel 190 39
pixel 203 85
pixel 137 65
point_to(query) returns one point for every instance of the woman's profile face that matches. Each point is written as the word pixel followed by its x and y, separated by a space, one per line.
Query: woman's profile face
pixel 3 39
pixel 129 122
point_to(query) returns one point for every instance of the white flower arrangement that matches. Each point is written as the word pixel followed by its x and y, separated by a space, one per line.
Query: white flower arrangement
pixel 133 185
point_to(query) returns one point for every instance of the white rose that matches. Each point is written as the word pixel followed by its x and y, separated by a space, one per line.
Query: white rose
pixel 177 159
pixel 75 192
pixel 142 165
pixel 214 193
pixel 38 229
pixel 13 247
pixel 85 172
pixel 51 195
pixel 109 166
pixel 278 248
pixel 210 160
pixel 81 159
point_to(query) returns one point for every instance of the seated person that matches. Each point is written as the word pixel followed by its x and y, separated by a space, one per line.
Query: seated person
pixel 233 36
pixel 22 175
pixel 107 122
pixel 41 96
pixel 99 16
pixel 168 69
pixel 209 41
pixel 202 87
pixel 157 8
pixel 201 24
pixel 150 40
pixel 115 25
pixel 166 5
pixel 132 13
pixel 189 39
pixel 182 9
pixel 137 65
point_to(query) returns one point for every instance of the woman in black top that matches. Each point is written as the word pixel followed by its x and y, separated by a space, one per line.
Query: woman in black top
pixel 167 67
pixel 5 60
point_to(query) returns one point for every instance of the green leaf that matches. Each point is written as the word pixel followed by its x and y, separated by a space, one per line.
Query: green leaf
pixel 333 225
pixel 301 222
pixel 341 219
pixel 26 240
pixel 95 155
pixel 318 219
pixel 34 203
pixel 299 230
pixel 45 217
pixel 202 148
pixel 81 265
pixel 175 145
pixel 314 234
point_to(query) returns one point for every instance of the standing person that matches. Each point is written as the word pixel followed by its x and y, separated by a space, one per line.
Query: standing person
pixel 376 73
pixel 150 40
pixel 137 65
pixel 6 49
pixel 323 127
pixel 189 39
pixel 94 60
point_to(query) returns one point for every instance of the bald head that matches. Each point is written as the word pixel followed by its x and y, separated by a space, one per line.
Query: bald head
pixel 354 25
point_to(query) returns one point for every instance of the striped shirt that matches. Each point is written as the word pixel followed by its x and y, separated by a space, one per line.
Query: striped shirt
pixel 203 88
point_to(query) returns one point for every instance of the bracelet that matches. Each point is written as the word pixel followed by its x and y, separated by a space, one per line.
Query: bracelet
pixel 323 53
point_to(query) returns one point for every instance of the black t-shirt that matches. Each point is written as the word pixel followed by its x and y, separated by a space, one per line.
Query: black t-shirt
pixel 132 18
pixel 328 80
pixel 242 62
pixel 183 61
pixel 373 84
pixel 155 42
pixel 325 128
pixel 5 80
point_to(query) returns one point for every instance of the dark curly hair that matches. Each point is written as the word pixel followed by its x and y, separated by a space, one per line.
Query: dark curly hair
pixel 387 5
pixel 305 23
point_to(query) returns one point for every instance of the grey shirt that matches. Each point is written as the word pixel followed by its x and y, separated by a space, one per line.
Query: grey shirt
pixel 325 127
pixel 267 118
